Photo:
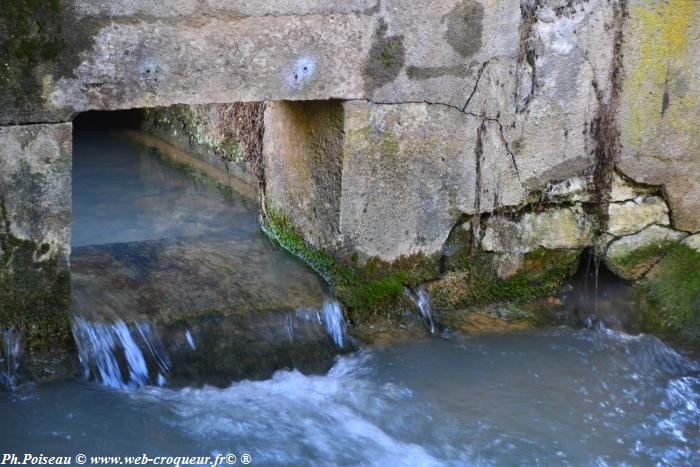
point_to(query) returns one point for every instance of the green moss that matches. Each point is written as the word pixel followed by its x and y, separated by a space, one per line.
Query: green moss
pixel 378 286
pixel 543 273
pixel 41 42
pixel 643 256
pixel 673 292
pixel 195 125
pixel 362 295
pixel 230 150
pixel 375 287
pixel 34 292
pixel 280 229
pixel 32 34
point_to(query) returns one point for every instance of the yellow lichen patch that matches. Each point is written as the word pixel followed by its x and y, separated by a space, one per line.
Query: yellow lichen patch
pixel 47 86
pixel 660 33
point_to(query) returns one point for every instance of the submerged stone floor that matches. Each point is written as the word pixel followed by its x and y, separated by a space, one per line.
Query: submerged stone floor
pixel 165 280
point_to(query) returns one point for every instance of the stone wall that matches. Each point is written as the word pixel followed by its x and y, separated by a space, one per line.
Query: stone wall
pixel 392 128
pixel 660 103
pixel 541 108
pixel 207 131
pixel 302 155
pixel 35 206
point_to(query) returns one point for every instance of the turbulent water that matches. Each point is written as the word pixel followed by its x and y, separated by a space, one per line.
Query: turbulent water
pixel 160 385
pixel 561 396
pixel 128 356
pixel 101 344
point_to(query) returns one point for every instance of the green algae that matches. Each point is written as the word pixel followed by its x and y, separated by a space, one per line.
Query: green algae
pixel 377 287
pixel 543 273
pixel 365 290
pixel 186 119
pixel 672 290
pixel 34 292
pixel 472 280
pixel 636 262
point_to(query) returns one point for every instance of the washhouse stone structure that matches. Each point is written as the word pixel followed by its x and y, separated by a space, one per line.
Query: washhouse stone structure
pixel 393 129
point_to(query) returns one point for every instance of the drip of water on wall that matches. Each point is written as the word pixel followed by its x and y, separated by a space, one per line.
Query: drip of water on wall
pixel 109 353
pixel 421 298
pixel 334 321
pixel 289 326
pixel 330 317
pixel 190 340
pixel 10 353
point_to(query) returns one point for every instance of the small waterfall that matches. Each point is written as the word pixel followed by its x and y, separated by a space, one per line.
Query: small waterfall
pixel 10 354
pixel 334 321
pixel 109 352
pixel 422 300
pixel 190 339
pixel 289 326
pixel 330 317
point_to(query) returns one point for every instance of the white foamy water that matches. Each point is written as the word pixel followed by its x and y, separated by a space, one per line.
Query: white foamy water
pixel 110 354
pixel 318 415
pixel 562 396
pixel 190 339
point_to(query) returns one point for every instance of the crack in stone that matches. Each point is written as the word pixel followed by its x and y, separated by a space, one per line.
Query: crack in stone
pixel 476 220
pixel 478 78
pixel 485 117
pixel 526 53
pixel 604 126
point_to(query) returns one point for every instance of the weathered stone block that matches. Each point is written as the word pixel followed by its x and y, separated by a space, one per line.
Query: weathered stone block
pixel 693 241
pixel 508 264
pixel 632 216
pixel 622 190
pixel 35 201
pixel 125 54
pixel 659 105
pixel 557 228
pixel 565 57
pixel 302 152
pixel 632 256
pixel 410 171
pixel 447 51
pixel 579 189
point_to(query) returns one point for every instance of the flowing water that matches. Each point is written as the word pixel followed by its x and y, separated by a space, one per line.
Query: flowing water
pixel 270 382
pixel 173 281
pixel 559 396
pixel 421 298
pixel 10 353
